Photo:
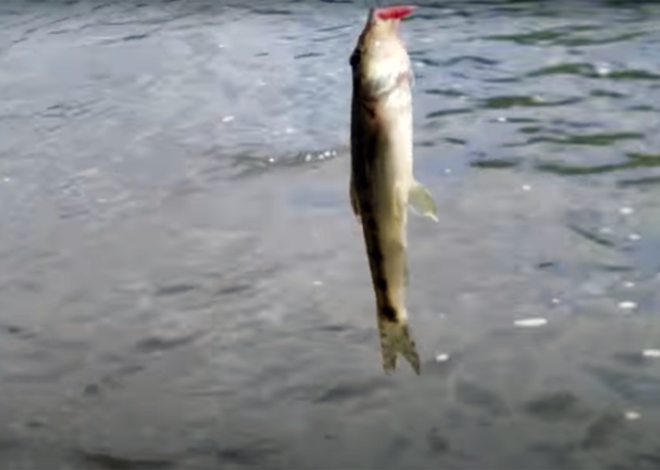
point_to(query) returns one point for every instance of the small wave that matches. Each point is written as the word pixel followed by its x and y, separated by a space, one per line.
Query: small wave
pixel 253 454
pixel 331 29
pixel 427 62
pixel 254 165
pixel 645 108
pixel 576 68
pixel 588 70
pixel 599 140
pixel 271 11
pixel 555 406
pixel 522 120
pixel 591 235
pixel 646 181
pixel 511 101
pixel 308 55
pixel 349 390
pixel 598 41
pixel 601 431
pixel 601 93
pixel 444 92
pixel 480 398
pixel 633 74
pixel 635 160
pixel 470 58
pixel 135 37
pixel 455 141
pixel 495 163
pixel 531 129
pixel 576 170
pixel 447 112
pixel 636 387
pixel 533 38
pixel 108 461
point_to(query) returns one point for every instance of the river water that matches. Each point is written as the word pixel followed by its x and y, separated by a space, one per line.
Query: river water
pixel 183 284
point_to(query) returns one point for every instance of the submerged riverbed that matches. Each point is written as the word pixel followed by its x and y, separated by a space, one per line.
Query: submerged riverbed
pixel 183 284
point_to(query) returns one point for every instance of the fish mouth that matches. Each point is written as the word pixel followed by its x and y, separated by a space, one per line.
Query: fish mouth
pixel 394 12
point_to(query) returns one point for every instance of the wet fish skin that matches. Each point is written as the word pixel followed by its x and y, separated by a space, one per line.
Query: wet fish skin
pixel 382 184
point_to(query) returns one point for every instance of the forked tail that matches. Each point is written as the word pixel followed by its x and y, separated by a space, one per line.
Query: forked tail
pixel 395 338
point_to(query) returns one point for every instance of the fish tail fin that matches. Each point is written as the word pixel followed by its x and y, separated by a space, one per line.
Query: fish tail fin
pixel 395 338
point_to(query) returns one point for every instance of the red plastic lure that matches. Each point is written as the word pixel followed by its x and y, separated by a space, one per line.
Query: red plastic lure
pixel 394 12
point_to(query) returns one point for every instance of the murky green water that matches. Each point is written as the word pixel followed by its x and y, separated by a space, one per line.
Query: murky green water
pixel 183 285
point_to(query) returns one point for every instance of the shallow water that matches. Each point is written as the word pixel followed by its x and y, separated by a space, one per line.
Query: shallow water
pixel 183 285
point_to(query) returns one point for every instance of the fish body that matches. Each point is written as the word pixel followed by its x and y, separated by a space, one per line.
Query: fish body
pixel 382 184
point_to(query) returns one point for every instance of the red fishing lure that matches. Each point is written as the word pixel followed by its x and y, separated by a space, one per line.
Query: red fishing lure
pixel 394 12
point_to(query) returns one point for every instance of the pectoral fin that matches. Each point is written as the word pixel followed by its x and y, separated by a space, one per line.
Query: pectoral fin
pixel 422 202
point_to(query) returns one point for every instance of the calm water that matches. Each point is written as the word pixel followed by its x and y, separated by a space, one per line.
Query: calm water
pixel 183 285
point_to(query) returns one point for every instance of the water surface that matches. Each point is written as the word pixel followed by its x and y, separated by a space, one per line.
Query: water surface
pixel 183 285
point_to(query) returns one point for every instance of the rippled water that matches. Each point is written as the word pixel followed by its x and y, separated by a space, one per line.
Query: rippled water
pixel 183 285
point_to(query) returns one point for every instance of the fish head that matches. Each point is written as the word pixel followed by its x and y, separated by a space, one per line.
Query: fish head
pixel 380 59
